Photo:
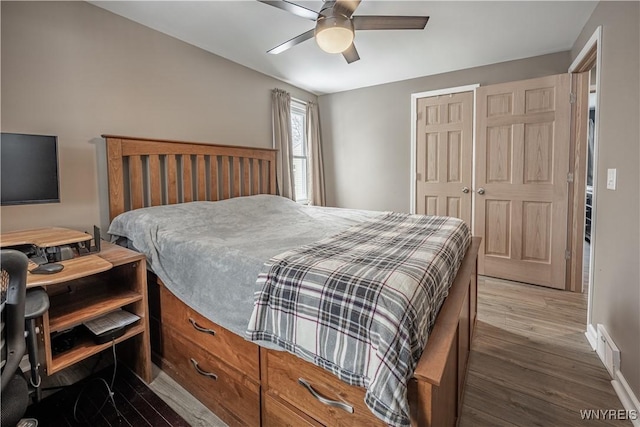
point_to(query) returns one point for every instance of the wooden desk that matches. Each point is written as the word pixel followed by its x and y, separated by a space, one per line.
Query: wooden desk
pixel 86 288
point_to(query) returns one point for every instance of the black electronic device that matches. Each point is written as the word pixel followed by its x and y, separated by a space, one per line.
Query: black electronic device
pixel 28 169
pixel 110 335
pixel 49 268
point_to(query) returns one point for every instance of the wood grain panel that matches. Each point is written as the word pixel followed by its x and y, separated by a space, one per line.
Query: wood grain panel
pixel 255 176
pixel 225 178
pixel 454 156
pixel 498 161
pixel 431 166
pixel 433 115
pixel 201 173
pixel 431 205
pixel 500 104
pixel 213 175
pixel 135 182
pixel 536 231
pixel 265 177
pixel 246 180
pixel 453 206
pixel 187 179
pixel 155 177
pixel 538 153
pixel 172 179
pixel 115 169
pixel 539 100
pixel 454 111
pixel 498 227
pixel 277 414
pixel 236 177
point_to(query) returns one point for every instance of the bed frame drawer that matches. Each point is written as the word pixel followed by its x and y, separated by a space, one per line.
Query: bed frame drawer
pixel 231 395
pixel 221 343
pixel 278 414
pixel 309 388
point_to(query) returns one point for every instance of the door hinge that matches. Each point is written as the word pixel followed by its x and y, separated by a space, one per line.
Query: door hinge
pixel 570 177
pixel 418 177
pixel 572 98
pixel 567 254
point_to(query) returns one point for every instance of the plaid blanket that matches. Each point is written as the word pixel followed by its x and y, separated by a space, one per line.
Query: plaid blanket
pixel 361 304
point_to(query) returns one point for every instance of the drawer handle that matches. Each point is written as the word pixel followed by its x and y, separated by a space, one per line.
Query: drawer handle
pixel 324 400
pixel 203 373
pixel 200 328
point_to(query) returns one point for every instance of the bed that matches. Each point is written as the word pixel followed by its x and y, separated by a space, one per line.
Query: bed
pixel 241 381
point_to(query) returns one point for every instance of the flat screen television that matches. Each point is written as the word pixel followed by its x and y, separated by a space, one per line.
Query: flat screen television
pixel 28 169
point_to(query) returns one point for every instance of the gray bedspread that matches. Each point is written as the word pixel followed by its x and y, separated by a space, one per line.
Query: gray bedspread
pixel 209 254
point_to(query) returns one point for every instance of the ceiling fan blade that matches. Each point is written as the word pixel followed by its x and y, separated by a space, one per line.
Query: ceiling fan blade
pixel 346 7
pixel 351 54
pixel 290 43
pixel 390 22
pixel 298 10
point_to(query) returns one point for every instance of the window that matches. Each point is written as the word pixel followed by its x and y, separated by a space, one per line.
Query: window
pixel 299 150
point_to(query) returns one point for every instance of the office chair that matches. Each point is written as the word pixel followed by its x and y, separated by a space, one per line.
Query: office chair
pixel 14 389
pixel 15 394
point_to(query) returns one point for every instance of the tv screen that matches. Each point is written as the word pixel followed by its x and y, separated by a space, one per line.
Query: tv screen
pixel 28 169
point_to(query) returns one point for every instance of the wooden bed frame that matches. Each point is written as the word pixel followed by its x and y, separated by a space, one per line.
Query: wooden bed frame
pixel 252 385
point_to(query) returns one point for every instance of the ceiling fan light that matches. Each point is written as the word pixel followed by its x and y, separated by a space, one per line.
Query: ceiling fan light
pixel 334 34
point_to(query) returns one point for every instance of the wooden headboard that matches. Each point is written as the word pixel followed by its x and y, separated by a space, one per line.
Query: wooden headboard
pixel 151 172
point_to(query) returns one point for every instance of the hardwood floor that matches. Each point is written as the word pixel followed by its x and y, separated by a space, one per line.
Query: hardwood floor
pixel 530 364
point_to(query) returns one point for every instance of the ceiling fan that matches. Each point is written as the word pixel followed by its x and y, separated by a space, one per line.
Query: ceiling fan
pixel 335 25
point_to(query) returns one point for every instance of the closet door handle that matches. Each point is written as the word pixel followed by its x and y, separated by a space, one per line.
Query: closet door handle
pixel 201 372
pixel 200 328
pixel 465 190
pixel 481 191
pixel 324 400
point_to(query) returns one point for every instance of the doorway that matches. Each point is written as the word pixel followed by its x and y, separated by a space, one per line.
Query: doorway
pixel 585 76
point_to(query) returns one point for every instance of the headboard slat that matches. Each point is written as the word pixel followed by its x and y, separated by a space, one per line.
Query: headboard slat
pixel 172 180
pixel 201 173
pixel 154 172
pixel 135 182
pixel 214 178
pixel 155 180
pixel 187 183
pixel 226 179
pixel 236 177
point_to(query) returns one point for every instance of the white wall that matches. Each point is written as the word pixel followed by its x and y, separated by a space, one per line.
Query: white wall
pixel 77 71
pixel 616 281
pixel 367 132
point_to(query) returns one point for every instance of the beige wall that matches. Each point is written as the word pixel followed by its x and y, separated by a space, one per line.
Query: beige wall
pixel 616 295
pixel 367 132
pixel 77 71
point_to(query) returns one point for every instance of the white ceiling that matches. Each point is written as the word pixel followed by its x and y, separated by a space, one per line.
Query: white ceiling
pixel 459 35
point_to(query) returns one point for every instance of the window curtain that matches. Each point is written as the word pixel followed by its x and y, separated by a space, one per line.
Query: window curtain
pixel 281 112
pixel 314 145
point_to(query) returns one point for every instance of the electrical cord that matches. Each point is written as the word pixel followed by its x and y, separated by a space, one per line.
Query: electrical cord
pixel 109 390
pixel 91 372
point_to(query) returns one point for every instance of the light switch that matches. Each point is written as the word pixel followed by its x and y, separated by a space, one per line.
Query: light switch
pixel 611 179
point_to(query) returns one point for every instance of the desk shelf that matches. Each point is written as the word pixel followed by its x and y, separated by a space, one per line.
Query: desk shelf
pixel 85 290
pixel 85 347
pixel 72 309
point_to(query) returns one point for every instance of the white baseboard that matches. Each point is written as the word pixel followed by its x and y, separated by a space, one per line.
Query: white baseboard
pixel 627 397
pixel 592 336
